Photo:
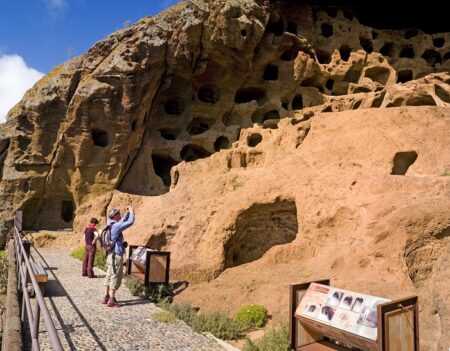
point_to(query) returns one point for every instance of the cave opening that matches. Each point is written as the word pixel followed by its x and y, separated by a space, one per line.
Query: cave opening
pixel 258 229
pixel 209 93
pixel 297 102
pixel 244 95
pixel 100 137
pixel 221 142
pixel 162 165
pixel 199 125
pixel 254 139
pixel 271 72
pixel 402 162
pixel 174 106
pixel 193 152
pixel 404 76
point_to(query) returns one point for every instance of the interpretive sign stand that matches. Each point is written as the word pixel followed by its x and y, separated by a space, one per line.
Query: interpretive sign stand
pixel 149 266
pixel 324 318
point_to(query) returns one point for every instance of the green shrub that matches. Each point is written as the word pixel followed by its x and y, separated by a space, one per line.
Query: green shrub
pixel 99 260
pixel 159 292
pixel 165 317
pixel 275 339
pixel 155 293
pixel 252 316
pixel 78 253
pixel 250 346
pixel 183 311
pixel 135 286
pixel 218 324
pixel 3 271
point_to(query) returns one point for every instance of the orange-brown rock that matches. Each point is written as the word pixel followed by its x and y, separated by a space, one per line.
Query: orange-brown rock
pixel 262 143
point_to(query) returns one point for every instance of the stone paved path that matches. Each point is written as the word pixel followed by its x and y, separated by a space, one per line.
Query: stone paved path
pixel 84 323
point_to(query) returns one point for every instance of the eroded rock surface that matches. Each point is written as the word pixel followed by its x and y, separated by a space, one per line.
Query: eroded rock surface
pixel 262 143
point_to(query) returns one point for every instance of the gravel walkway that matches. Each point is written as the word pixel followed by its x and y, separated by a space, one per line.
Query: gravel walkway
pixel 84 323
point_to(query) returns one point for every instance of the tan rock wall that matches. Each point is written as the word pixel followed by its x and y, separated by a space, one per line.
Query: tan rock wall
pixel 263 142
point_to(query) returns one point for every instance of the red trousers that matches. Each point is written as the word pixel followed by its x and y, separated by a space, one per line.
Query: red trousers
pixel 88 260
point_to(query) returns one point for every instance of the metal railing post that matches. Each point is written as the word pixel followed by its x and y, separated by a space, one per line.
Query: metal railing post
pixel 26 274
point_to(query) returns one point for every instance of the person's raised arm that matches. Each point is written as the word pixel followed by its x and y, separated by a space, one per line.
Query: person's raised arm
pixel 127 220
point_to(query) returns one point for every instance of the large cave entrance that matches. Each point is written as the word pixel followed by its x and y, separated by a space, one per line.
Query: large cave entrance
pixel 259 228
pixel 49 214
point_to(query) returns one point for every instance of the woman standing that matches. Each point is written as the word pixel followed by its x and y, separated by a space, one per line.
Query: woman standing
pixel 90 237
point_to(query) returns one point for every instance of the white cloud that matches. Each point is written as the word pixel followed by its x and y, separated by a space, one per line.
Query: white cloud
pixel 56 9
pixel 15 79
pixel 56 4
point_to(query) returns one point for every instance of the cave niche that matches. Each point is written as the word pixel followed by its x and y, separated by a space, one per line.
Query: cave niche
pixel 100 137
pixel 55 213
pixel 193 152
pixel 162 165
pixel 402 161
pixel 209 93
pixel 200 125
pixel 258 229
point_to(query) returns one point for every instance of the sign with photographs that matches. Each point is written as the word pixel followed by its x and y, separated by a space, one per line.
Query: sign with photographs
pixel 346 310
pixel 139 254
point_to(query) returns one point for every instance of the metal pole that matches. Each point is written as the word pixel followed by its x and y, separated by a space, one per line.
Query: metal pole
pixel 51 330
pixel 37 316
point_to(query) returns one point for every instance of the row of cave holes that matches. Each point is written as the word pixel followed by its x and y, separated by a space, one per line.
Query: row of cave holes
pixel 431 56
pixel 200 125
pixel 244 95
pixel 211 93
pixel 377 74
pixel 424 100
pixel 162 164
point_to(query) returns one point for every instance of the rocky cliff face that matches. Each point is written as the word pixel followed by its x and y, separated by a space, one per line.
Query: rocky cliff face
pixel 323 146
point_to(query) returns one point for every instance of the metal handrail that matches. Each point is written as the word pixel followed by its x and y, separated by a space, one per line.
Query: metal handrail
pixel 25 270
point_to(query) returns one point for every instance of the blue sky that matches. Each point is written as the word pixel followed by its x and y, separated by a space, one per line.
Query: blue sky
pixel 37 35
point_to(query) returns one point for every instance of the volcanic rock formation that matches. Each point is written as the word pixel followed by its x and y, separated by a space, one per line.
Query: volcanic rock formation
pixel 262 143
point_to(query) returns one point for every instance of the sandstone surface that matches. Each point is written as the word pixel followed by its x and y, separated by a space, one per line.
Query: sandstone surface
pixel 262 143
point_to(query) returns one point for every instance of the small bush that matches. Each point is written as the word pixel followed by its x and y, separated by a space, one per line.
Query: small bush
pixel 218 324
pixel 3 272
pixel 159 292
pixel 250 346
pixel 99 260
pixel 165 317
pixel 445 174
pixel 252 316
pixel 275 339
pixel 78 253
pixel 156 293
pixel 182 311
pixel 135 286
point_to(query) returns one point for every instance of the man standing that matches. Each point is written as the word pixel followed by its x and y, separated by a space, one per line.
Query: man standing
pixel 114 259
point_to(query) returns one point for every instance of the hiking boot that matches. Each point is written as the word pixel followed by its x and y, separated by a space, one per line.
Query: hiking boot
pixel 105 299
pixel 113 303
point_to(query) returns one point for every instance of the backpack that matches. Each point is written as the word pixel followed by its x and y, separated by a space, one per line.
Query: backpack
pixel 105 239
